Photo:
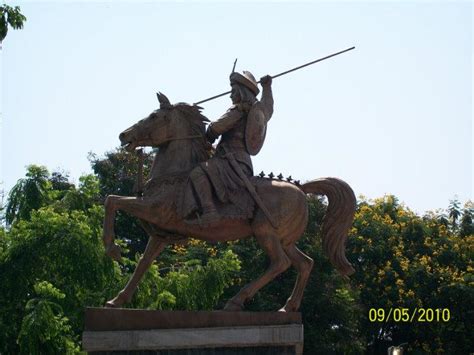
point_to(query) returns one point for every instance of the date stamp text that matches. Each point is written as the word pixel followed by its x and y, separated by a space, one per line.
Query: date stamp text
pixel 407 315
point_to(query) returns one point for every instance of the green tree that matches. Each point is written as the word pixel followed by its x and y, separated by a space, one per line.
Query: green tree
pixel 4 243
pixel 466 226
pixel 187 285
pixel 2 207
pixel 82 198
pixel 60 183
pixel 63 247
pixel 45 329
pixel 454 212
pixel 28 194
pixel 39 189
pixel 10 16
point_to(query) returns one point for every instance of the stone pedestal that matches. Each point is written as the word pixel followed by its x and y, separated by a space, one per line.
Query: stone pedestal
pixel 130 331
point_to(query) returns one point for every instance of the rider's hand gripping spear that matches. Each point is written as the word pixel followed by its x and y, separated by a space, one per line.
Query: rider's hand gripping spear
pixel 280 74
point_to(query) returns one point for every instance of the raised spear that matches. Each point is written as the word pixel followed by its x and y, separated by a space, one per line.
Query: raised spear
pixel 282 73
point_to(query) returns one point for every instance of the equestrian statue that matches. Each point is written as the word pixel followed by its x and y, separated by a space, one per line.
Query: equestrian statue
pixel 212 194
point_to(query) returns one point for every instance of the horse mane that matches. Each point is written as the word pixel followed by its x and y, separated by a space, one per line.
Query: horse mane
pixel 197 120
pixel 192 113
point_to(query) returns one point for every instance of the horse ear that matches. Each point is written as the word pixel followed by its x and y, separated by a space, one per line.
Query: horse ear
pixel 164 102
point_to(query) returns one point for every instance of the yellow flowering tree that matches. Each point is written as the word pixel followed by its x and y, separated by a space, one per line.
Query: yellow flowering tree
pixel 404 261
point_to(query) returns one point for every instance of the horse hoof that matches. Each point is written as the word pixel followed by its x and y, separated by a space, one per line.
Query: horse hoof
pixel 110 304
pixel 114 251
pixel 115 302
pixel 232 306
pixel 288 308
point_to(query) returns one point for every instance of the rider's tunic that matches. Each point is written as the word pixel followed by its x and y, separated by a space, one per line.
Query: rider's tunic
pixel 230 195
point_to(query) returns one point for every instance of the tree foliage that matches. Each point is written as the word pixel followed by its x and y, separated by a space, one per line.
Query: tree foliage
pixel 45 329
pixel 10 16
pixel 29 194
pixel 403 260
pixel 466 227
pixel 189 285
pixel 60 245
pixel 454 212
pixel 52 265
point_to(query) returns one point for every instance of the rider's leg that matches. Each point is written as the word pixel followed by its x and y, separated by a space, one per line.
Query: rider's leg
pixel 203 190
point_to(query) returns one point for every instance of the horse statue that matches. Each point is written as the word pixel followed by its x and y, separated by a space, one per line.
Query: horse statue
pixel 178 130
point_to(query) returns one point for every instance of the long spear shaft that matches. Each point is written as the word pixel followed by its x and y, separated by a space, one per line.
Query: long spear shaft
pixel 283 73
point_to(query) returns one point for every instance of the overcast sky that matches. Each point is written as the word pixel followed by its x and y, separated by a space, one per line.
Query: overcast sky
pixel 393 116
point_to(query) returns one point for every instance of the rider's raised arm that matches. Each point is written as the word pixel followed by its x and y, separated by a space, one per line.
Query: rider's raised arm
pixel 267 96
pixel 227 121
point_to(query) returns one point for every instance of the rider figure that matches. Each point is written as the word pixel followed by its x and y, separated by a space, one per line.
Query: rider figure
pixel 216 177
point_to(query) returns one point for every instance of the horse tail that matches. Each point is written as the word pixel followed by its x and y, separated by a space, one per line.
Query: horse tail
pixel 338 218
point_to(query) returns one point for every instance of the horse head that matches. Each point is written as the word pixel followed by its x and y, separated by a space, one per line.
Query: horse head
pixel 170 122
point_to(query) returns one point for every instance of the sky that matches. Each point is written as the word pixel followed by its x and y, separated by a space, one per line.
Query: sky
pixel 393 116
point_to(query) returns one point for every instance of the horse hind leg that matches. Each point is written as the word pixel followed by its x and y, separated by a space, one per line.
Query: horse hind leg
pixel 153 248
pixel 279 262
pixel 303 264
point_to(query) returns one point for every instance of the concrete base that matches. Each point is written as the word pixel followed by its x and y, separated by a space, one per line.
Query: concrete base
pixel 210 332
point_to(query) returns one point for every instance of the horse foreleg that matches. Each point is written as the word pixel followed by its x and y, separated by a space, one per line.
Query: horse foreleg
pixel 138 207
pixel 152 250
pixel 111 249
pixel 279 262
pixel 303 264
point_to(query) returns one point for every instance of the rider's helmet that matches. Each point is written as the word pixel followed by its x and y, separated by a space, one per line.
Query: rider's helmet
pixel 246 79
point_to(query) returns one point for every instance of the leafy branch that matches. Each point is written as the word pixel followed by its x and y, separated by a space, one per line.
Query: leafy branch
pixel 10 16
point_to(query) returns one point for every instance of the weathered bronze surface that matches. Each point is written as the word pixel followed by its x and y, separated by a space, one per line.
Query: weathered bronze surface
pixel 212 194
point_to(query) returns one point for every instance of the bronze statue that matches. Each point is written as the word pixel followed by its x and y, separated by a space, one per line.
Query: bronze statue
pixel 217 198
